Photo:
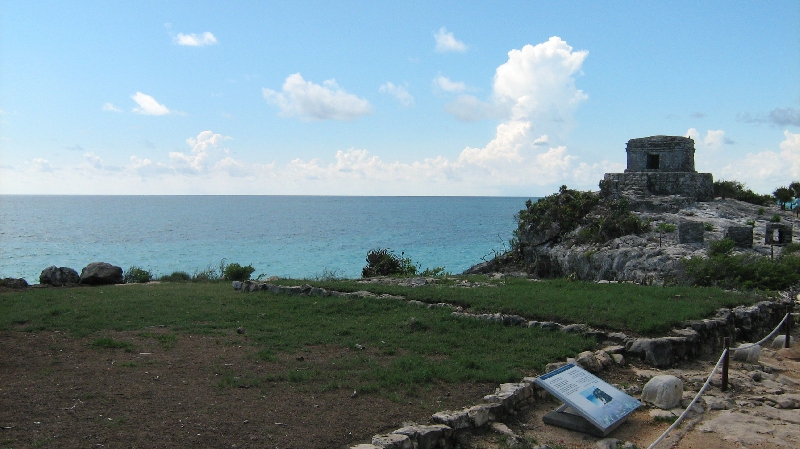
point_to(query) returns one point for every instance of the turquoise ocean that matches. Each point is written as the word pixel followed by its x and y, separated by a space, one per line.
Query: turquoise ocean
pixel 286 236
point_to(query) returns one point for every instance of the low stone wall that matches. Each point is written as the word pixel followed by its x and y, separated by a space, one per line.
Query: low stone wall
pixel 691 184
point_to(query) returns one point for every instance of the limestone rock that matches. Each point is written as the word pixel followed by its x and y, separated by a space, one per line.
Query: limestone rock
pixel 608 443
pixel 392 441
pixel 455 419
pixel 619 359
pixel 426 437
pixel 604 359
pixel 780 340
pixel 13 283
pixel 665 391
pixel 58 276
pixel 749 355
pixel 101 273
pixel 589 362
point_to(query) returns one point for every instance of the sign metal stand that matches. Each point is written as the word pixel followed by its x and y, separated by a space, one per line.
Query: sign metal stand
pixel 590 404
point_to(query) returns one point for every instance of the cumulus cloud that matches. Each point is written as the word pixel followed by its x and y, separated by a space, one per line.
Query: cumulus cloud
pixel 195 40
pixel 446 84
pixel 310 101
pixel 110 107
pixel 399 92
pixel 713 141
pixel 203 145
pixel 468 108
pixel 447 42
pixel 764 170
pixel 148 105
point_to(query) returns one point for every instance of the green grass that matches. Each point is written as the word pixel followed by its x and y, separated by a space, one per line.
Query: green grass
pixel 622 307
pixel 406 346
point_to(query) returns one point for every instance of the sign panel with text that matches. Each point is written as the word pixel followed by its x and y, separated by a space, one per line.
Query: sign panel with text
pixel 589 396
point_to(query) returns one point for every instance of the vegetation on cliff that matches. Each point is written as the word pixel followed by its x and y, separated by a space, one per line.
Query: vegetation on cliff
pixel 553 219
pixel 724 269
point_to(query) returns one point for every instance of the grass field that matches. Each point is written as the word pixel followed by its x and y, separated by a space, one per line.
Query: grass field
pixel 402 345
pixel 620 307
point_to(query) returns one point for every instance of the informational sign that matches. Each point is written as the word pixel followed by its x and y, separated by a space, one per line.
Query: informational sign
pixel 588 396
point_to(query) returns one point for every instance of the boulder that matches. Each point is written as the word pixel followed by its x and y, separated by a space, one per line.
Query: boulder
pixel 101 273
pixel 13 283
pixel 426 437
pixel 58 276
pixel 665 392
pixel 780 341
pixel 749 355
pixel 589 362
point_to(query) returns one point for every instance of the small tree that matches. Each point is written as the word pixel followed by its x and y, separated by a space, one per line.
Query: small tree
pixel 783 195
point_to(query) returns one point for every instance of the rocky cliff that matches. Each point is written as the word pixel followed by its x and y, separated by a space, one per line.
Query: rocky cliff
pixel 652 257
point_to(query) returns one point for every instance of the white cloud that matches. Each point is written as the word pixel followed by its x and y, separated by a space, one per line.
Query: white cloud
pixel 447 42
pixel 468 108
pixel 448 85
pixel 94 160
pixel 310 101
pixel 202 147
pixel 42 165
pixel 399 92
pixel 148 105
pixel 713 141
pixel 195 40
pixel 767 169
pixel 110 107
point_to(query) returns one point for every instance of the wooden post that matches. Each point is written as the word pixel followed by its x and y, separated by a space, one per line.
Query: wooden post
pixel 788 326
pixel 725 364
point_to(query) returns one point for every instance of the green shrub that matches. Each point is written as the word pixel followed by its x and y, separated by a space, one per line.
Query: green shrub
pixel 176 276
pixel 761 211
pixel 136 275
pixel 708 227
pixel 384 262
pixel 791 249
pixel 666 227
pixel 720 247
pixel 236 272
pixel 751 223
pixel 744 271
pixel 775 218
pixel 737 190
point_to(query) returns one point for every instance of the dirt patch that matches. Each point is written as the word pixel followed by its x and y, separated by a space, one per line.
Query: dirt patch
pixel 174 390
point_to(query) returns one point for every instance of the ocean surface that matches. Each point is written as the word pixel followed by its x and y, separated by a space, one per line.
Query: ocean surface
pixel 286 236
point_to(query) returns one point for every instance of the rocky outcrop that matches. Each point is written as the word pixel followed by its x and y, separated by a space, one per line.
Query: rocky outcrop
pixel 653 257
pixel 15 283
pixel 58 276
pixel 101 273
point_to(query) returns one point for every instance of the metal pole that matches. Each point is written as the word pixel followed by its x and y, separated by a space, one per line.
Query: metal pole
pixel 725 358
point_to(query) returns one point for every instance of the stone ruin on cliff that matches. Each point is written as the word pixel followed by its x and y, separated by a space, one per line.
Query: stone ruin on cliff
pixel 661 165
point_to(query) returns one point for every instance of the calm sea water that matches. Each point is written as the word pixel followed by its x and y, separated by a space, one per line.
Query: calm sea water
pixel 287 236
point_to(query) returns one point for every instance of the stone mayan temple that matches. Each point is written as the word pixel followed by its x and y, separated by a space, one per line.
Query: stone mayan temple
pixel 662 165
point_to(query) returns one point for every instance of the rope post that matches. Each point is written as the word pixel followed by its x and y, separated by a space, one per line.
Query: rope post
pixel 725 358
pixel 788 326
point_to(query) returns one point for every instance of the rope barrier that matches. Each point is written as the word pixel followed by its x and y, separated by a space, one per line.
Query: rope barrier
pixel 708 381
pixel 694 401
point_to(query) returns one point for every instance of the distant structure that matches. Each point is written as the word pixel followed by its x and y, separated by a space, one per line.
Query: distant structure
pixel 662 165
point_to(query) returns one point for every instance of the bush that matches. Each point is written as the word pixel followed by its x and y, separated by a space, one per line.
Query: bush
pixel 720 247
pixel 751 223
pixel 136 275
pixel 737 190
pixel 790 249
pixel 666 227
pixel 745 271
pixel 761 211
pixel 176 276
pixel 708 227
pixel 775 218
pixel 236 272
pixel 384 262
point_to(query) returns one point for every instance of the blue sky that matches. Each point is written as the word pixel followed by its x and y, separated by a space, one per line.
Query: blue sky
pixel 372 98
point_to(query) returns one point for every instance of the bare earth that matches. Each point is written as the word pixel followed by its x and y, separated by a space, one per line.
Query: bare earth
pixel 57 391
